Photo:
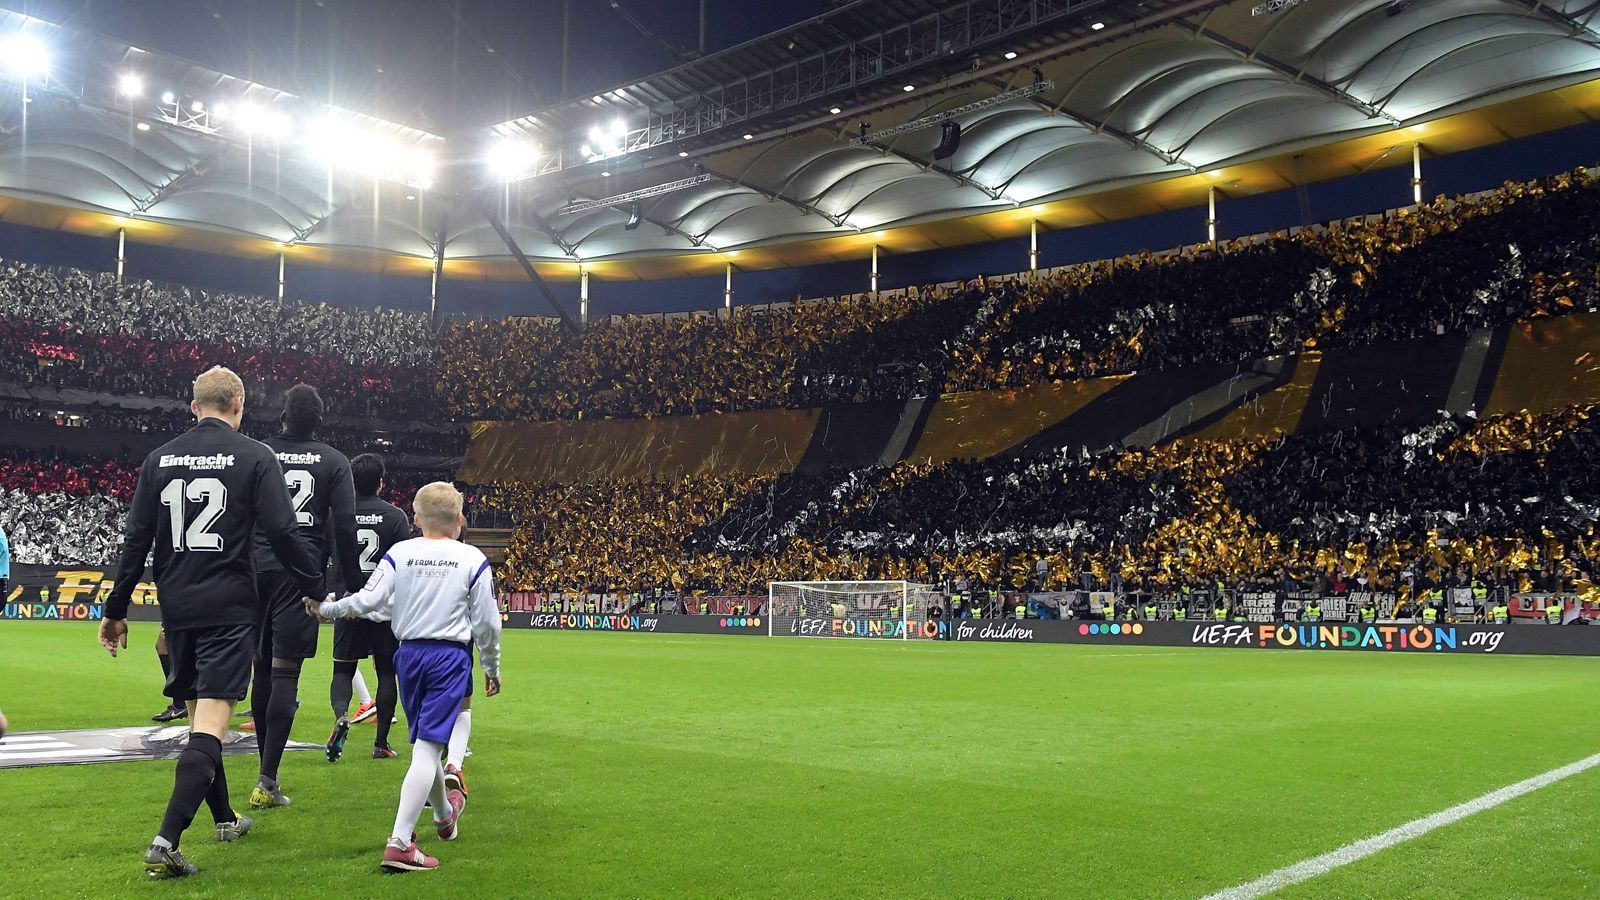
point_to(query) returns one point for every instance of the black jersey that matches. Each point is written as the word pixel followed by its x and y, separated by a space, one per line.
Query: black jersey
pixel 201 497
pixel 379 526
pixel 323 498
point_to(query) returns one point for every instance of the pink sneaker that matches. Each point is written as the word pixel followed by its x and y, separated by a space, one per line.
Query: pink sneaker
pixel 448 829
pixel 408 860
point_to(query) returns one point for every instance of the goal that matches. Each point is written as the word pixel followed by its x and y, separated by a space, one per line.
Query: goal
pixel 881 610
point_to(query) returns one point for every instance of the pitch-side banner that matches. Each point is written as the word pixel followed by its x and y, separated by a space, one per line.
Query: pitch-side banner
pixel 1568 640
pixel 665 624
pixel 70 594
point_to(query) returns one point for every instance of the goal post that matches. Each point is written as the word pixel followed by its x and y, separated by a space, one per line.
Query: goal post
pixel 881 610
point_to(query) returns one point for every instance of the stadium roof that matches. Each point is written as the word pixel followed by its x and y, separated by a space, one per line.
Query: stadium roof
pixel 1141 113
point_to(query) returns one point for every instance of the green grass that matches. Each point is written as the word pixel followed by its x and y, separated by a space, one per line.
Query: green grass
pixel 645 765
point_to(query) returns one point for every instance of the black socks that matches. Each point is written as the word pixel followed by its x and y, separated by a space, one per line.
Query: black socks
pixel 342 687
pixel 280 719
pixel 387 697
pixel 198 767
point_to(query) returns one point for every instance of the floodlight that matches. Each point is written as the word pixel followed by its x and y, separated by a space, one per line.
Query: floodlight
pixel 143 126
pixel 197 106
pixel 26 56
pixel 169 97
pixel 833 110
pixel 909 88
pixel 510 159
pixel 253 119
pixel 419 167
pixel 1097 26
pixel 1011 54
pixel 130 85
pixel 618 128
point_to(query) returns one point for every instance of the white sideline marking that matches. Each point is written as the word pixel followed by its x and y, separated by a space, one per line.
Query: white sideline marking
pixel 1349 853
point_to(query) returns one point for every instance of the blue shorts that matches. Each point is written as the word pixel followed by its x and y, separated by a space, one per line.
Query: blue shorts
pixel 435 677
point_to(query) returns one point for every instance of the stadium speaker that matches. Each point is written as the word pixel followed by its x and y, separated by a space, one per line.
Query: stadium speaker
pixel 633 216
pixel 949 141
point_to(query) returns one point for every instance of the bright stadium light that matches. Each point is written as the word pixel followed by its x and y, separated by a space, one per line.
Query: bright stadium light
pixel 130 85
pixel 332 141
pixel 169 97
pixel 26 56
pixel 254 119
pixel 509 159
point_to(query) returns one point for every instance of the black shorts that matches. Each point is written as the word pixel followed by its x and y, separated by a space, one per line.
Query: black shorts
pixel 361 638
pixel 211 663
pixel 287 631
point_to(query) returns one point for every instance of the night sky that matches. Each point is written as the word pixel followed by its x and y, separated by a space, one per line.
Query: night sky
pixel 434 64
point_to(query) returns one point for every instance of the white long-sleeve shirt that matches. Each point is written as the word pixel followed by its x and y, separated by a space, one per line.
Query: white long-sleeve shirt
pixel 432 589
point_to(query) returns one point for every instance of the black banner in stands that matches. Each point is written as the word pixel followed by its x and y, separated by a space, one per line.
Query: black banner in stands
pixel 62 594
pixel 668 624
pixel 1398 637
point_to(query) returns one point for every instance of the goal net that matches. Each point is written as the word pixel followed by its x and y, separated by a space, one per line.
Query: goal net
pixel 885 610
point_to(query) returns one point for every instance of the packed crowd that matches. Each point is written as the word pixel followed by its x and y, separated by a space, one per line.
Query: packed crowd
pixel 792 356
pixel 82 302
pixel 1507 501
pixel 62 512
pixel 448 443
pixel 1453 265
pixel 1244 511
pixel 1522 251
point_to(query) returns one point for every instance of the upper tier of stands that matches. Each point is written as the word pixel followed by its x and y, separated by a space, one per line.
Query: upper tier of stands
pixel 1522 251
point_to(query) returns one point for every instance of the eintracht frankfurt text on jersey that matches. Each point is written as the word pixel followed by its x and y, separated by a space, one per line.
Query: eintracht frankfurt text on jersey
pixel 201 498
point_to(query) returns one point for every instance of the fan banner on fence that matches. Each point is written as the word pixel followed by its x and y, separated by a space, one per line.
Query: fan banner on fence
pixel 1394 637
pixel 665 624
pixel 70 594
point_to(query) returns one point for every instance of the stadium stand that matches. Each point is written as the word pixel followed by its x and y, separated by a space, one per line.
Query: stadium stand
pixel 991 482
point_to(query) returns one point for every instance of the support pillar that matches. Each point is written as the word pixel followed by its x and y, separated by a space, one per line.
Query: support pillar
pixel 280 276
pixel 438 275
pixel 1416 173
pixel 583 295
pixel 1211 217
pixel 727 292
pixel 122 251
pixel 1033 248
pixel 874 268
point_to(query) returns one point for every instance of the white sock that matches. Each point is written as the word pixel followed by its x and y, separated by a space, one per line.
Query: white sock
pixel 458 738
pixel 360 684
pixel 424 781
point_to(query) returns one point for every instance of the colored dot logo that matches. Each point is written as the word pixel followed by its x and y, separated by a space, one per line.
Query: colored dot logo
pixel 1121 629
pixel 740 622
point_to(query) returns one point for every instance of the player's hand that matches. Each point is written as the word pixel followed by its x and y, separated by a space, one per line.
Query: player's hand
pixel 491 686
pixel 314 609
pixel 114 635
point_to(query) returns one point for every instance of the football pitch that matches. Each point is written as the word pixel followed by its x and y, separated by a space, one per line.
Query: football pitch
pixel 637 765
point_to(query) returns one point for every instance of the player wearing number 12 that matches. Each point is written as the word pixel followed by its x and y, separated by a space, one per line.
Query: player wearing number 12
pixel 323 495
pixel 199 499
